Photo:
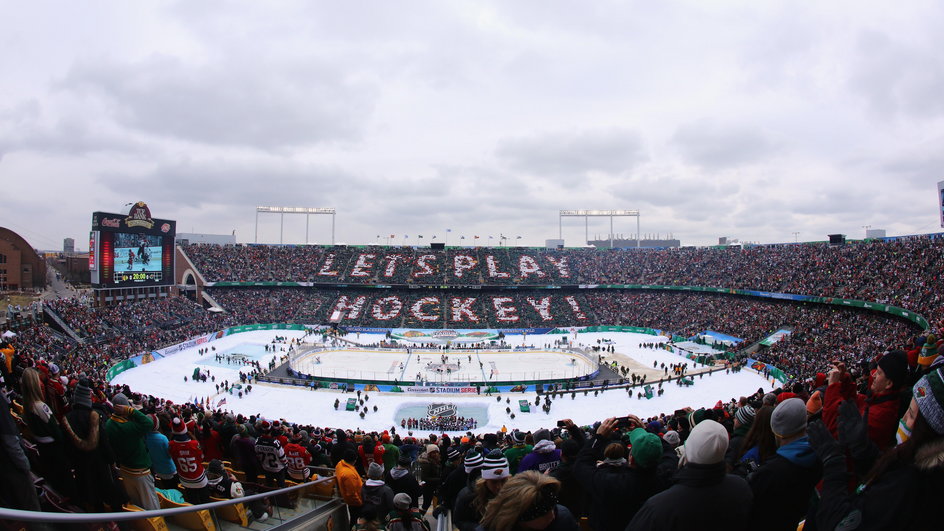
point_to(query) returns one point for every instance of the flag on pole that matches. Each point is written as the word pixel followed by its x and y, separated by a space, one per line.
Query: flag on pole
pixel 420 236
pixel 448 230
pixel 476 237
pixel 490 237
pixel 393 236
pixel 221 403
pixel 518 238
pixel 461 237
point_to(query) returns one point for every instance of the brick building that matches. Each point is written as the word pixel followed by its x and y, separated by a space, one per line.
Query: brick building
pixel 21 268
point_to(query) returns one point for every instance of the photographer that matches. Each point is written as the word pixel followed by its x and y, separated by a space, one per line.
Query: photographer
pixel 616 486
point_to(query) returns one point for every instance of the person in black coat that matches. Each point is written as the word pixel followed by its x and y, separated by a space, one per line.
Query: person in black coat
pixel 87 446
pixel 399 479
pixel 783 485
pixel 618 487
pixel 703 489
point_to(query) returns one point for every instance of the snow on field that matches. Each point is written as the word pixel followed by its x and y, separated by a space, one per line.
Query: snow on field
pixel 165 378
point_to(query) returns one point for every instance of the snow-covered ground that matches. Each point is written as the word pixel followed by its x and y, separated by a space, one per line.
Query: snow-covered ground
pixel 165 378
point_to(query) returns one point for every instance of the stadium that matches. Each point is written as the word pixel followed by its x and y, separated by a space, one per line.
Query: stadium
pixel 595 334
pixel 471 266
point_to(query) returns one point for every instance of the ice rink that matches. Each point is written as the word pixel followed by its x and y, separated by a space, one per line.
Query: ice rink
pixel 435 366
pixel 165 378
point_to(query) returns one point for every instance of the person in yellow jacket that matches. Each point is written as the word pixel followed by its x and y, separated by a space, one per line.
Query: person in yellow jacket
pixel 349 483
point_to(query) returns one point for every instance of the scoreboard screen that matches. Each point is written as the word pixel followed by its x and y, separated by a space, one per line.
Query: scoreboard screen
pixel 132 250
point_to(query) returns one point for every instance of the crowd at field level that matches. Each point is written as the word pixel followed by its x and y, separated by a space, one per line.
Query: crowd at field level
pixel 855 444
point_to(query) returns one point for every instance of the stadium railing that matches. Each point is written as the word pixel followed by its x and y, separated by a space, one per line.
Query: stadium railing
pixel 334 509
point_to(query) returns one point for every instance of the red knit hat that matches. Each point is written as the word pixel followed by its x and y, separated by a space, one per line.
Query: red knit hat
pixel 178 427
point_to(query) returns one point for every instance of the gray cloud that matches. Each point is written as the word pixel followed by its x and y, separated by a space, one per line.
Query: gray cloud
pixel 252 104
pixel 712 145
pixel 566 155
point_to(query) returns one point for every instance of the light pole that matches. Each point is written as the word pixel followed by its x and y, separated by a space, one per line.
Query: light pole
pixel 796 237
pixel 866 227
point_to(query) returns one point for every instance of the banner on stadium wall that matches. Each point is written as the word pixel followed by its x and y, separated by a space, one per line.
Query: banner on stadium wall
pixel 119 368
pixel 230 284
pixel 464 335
pixel 774 372
pixel 440 390
pixel 272 326
pixel 633 329
pixel 775 337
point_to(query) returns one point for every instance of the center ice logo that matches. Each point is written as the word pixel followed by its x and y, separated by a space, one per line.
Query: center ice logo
pixel 441 410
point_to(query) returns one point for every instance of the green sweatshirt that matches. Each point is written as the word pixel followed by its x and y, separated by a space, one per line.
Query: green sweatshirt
pixel 126 436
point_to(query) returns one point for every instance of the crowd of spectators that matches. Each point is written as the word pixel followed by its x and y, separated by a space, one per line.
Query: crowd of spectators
pixel 827 451
pixel 854 439
pixel 902 272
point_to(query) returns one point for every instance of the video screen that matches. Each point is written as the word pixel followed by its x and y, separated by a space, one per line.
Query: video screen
pixel 138 257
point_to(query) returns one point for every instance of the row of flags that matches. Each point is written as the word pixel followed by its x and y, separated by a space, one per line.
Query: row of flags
pixel 420 236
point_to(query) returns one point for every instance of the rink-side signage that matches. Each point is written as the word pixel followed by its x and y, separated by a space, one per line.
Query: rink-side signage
pixel 441 390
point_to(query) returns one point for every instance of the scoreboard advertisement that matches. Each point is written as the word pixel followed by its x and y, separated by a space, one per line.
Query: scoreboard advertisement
pixel 131 250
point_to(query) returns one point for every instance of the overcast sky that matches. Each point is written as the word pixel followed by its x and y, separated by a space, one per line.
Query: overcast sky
pixel 752 120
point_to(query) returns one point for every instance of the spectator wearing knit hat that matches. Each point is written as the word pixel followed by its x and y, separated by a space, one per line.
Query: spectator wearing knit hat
pixel 880 408
pixel 470 506
pixel 903 487
pixel 545 455
pixel 376 494
pixel 784 485
pixel 188 456
pixel 405 516
pixel 743 420
pixel 618 487
pixel 463 476
pixel 700 483
pixel 518 449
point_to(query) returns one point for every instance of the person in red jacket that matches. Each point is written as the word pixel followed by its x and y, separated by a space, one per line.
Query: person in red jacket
pixel 880 408
pixel 298 459
pixel 188 457
pixel 370 452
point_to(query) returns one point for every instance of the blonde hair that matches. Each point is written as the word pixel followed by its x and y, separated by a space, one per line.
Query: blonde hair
pixel 31 387
pixel 516 497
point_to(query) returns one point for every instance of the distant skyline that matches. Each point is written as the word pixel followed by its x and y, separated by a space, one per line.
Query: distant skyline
pixel 751 120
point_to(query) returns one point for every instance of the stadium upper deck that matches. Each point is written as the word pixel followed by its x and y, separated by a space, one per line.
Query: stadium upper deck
pixel 903 272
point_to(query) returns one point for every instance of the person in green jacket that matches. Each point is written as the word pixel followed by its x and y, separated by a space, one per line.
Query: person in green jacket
pixel 126 430
pixel 391 452
pixel 517 451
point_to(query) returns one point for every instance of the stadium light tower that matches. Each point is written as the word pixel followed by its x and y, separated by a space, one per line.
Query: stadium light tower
pixel 586 214
pixel 294 210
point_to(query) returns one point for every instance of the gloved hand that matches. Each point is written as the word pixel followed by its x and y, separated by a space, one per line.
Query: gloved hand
pixel 853 430
pixel 822 442
pixel 439 511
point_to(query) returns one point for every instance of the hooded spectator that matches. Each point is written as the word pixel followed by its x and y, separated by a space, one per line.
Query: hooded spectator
pixel 545 455
pixel 400 479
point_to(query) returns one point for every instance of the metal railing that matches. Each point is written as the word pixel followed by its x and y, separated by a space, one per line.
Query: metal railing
pixel 124 516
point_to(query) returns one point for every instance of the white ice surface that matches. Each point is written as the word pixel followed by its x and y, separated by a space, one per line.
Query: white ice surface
pixel 165 378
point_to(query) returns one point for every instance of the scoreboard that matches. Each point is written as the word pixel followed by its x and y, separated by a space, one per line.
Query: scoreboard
pixel 131 250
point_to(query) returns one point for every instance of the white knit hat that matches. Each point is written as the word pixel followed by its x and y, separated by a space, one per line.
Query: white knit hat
pixel 707 443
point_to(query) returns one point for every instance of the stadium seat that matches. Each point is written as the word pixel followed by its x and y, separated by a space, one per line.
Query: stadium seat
pixel 155 523
pixel 235 513
pixel 196 521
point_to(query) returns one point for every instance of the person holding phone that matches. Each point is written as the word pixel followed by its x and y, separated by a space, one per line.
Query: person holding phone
pixel 618 482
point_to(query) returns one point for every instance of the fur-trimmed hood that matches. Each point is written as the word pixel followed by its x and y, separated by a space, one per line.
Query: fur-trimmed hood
pixel 930 456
